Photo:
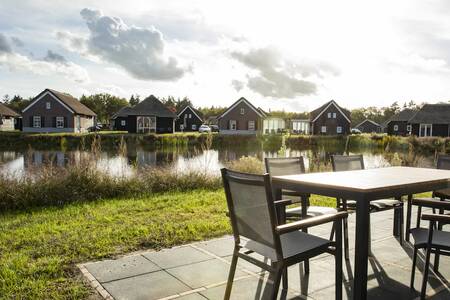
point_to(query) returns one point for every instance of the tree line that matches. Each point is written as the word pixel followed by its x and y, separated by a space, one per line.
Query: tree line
pixel 105 105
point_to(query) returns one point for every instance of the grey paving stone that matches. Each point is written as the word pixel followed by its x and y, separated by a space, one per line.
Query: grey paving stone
pixel 203 273
pixel 154 285
pixel 221 247
pixel 242 263
pixel 244 289
pixel 194 296
pixel 108 270
pixel 170 258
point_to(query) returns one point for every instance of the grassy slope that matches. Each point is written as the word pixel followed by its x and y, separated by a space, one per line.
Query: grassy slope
pixel 39 248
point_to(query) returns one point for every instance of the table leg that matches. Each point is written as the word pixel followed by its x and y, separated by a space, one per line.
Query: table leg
pixel 408 217
pixel 305 202
pixel 361 249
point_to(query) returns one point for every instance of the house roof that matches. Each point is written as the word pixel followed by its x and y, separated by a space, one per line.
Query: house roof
pixel 258 111
pixel 403 116
pixel 196 112
pixel 6 111
pixel 149 106
pixel 433 114
pixel 71 103
pixel 370 121
pixel 317 112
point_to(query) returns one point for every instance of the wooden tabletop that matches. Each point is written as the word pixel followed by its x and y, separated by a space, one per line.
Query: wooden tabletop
pixel 369 180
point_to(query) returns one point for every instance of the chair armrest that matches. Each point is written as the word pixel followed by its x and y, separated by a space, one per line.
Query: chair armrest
pixel 283 202
pixel 432 203
pixel 442 219
pixel 310 222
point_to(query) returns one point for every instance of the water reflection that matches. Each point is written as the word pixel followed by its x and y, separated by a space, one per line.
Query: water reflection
pixel 16 163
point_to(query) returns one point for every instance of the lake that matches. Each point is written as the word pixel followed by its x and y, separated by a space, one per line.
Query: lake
pixel 17 163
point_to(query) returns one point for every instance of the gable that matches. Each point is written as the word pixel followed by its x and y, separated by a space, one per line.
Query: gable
pixel 237 103
pixel 188 110
pixel 44 96
pixel 331 103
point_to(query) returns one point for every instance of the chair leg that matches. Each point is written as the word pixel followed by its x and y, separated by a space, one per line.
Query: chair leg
pixel 338 261
pixel 400 224
pixel 425 273
pixel 346 248
pixel 285 279
pixel 419 213
pixel 436 261
pixel 276 282
pixel 333 229
pixel 231 275
pixel 396 222
pixel 408 218
pixel 413 269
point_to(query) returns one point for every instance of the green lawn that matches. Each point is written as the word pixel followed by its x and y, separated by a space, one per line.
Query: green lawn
pixel 39 249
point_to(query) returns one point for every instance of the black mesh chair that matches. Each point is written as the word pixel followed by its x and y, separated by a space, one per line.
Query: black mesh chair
pixel 431 239
pixel 443 162
pixel 356 162
pixel 252 212
pixel 293 166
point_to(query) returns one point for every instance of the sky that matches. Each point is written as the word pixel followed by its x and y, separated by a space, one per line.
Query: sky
pixel 280 55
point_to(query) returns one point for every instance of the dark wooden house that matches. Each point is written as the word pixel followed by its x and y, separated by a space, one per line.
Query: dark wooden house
pixel 399 124
pixel 431 120
pixel 148 116
pixel 241 118
pixel 9 119
pixel 330 119
pixel 369 126
pixel 53 111
pixel 188 119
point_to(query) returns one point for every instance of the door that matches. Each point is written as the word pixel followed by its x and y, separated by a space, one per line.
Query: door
pixel 426 130
pixel 232 124
pixel 146 124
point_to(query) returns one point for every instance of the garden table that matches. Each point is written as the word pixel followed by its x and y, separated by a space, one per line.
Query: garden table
pixel 364 186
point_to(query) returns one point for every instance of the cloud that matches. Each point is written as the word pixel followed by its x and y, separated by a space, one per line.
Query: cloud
pixel 278 77
pixel 17 42
pixel 237 84
pixel 140 51
pixel 4 45
pixel 51 64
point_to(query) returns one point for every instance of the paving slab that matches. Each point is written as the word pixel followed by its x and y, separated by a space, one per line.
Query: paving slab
pixel 108 270
pixel 150 286
pixel 170 258
pixel 203 273
pixel 222 247
pixel 193 296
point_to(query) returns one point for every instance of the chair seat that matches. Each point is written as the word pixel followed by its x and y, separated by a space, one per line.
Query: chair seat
pixel 311 211
pixel 377 204
pixel 440 238
pixel 292 244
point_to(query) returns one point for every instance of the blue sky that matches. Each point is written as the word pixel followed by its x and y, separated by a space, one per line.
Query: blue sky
pixel 293 56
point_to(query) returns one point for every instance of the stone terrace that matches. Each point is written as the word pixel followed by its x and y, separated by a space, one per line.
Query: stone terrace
pixel 200 270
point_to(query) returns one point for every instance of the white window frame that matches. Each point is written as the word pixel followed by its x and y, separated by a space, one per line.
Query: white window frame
pixel 251 125
pixel 123 122
pixel 427 132
pixel 59 122
pixel 48 105
pixel 334 115
pixel 395 127
pixel 194 127
pixel 409 128
pixel 329 115
pixel 323 129
pixel 37 121
pixel 190 116
pixel 242 111
pixel 231 125
pixel 339 129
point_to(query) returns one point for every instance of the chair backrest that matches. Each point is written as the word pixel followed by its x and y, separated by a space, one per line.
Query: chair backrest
pixel 285 166
pixel 347 162
pixel 443 162
pixel 251 207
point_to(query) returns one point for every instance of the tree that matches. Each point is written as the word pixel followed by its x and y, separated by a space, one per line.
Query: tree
pixel 16 103
pixel 134 100
pixel 176 104
pixel 104 105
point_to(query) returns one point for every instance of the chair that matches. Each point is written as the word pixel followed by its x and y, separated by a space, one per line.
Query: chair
pixel 252 212
pixel 356 162
pixel 292 166
pixel 432 240
pixel 443 163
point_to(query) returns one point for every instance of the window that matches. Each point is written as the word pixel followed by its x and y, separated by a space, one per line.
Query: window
pixel 323 129
pixel 329 115
pixel 242 111
pixel 251 125
pixel 408 128
pixel 123 122
pixel 232 124
pixel 37 121
pixel 59 122
pixel 194 127
pixel 339 129
pixel 425 130
pixel 334 115
pixel 48 105
pixel 190 116
pixel 395 127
